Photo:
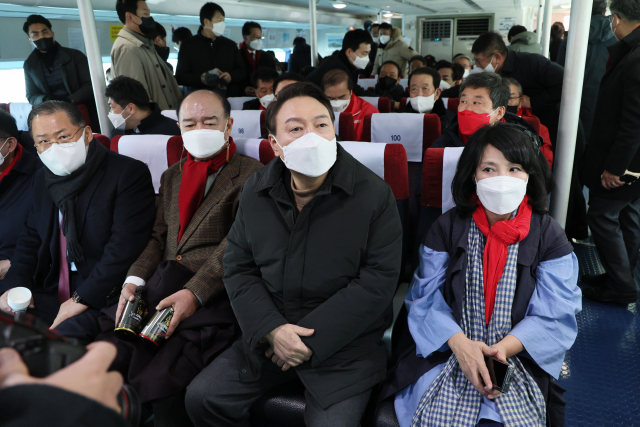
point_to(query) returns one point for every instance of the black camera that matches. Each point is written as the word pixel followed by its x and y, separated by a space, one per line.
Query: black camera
pixel 45 351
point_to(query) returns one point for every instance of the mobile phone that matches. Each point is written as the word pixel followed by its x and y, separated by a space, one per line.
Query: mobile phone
pixel 628 179
pixel 500 373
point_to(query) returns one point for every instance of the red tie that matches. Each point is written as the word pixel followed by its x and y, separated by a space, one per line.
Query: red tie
pixel 64 292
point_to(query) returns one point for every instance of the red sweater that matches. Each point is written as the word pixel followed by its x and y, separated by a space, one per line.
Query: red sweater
pixel 359 108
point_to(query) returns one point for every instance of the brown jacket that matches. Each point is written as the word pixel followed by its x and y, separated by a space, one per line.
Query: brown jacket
pixel 133 55
pixel 205 240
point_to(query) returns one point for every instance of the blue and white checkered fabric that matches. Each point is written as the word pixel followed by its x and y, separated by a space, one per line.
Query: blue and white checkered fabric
pixel 452 400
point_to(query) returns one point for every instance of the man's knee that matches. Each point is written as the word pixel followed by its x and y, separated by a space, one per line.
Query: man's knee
pixel 84 327
pixel 204 400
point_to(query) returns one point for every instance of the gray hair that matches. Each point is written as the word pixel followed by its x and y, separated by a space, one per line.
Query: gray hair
pixel 51 107
pixel 498 88
pixel 629 10
pixel 512 81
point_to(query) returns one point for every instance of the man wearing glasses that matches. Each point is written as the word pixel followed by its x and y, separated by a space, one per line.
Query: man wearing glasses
pixel 91 216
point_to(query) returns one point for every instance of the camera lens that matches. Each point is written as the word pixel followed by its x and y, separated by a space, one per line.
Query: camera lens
pixel 130 404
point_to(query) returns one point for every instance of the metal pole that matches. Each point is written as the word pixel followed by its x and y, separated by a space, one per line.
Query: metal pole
pixel 90 34
pixel 546 32
pixel 570 106
pixel 540 20
pixel 314 33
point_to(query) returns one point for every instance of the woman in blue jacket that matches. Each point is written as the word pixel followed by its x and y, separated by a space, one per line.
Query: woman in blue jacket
pixel 497 278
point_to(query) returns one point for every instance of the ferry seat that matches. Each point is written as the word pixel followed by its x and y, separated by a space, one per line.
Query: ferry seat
pixel 259 149
pixel 367 83
pixel 4 107
pixel 248 123
pixel 85 113
pixel 403 103
pixel 20 111
pixel 152 150
pixel 172 114
pixel 345 127
pixel 382 104
pixel 238 101
pixel 103 139
pixel 452 104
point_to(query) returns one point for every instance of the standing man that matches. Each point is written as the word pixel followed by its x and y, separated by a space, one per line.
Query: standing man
pixel 53 72
pixel 353 57
pixel 210 60
pixel 392 48
pixel 600 38
pixel 312 262
pixel 160 43
pixel 134 55
pixel 253 55
pixel 611 161
pixel 17 167
pixel 91 217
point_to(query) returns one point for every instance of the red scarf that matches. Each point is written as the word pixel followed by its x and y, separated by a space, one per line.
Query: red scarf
pixel 16 159
pixel 194 182
pixel 247 54
pixel 499 237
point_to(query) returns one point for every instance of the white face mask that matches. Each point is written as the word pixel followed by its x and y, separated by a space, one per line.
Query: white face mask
pixel 488 69
pixel 118 121
pixel 376 39
pixel 615 29
pixel 423 104
pixel 267 99
pixel 466 73
pixel 310 155
pixel 65 159
pixel 256 44
pixel 501 194
pixel 385 39
pixel 361 62
pixel 203 143
pixel 1 156
pixel 340 105
pixel 444 85
pixel 218 28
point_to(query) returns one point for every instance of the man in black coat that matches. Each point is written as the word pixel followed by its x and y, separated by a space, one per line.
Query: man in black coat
pixel 312 263
pixel 353 57
pixel 424 83
pixel 300 57
pixel 540 78
pixel 91 217
pixel 611 155
pixel 600 37
pixel 132 113
pixel 253 55
pixel 210 60
pixel 53 72
pixel 17 167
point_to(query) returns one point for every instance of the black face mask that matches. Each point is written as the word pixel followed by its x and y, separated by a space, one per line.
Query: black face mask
pixel 45 44
pixel 163 52
pixel 387 83
pixel 512 109
pixel 148 25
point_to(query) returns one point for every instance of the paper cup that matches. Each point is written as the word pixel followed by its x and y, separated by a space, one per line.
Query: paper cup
pixel 19 299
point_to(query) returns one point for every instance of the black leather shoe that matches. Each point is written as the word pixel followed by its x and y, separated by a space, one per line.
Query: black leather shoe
pixel 605 294
pixel 595 279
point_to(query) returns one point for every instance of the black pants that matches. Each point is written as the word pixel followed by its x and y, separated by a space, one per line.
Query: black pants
pixel 216 397
pixel 615 226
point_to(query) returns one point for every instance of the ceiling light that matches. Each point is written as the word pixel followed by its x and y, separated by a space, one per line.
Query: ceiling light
pixel 388 15
pixel 566 6
pixel 339 5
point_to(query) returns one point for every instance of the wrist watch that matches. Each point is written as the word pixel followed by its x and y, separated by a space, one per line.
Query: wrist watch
pixel 76 298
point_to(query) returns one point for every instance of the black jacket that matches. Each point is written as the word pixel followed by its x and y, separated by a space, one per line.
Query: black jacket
pixel 600 38
pixel 446 117
pixel 44 405
pixel 300 58
pixel 541 80
pixel 253 104
pixel 266 60
pixel 333 267
pixel 200 54
pixel 615 136
pixel 154 124
pixel 76 77
pixel 15 201
pixel 546 241
pixel 339 60
pixel 452 92
pixel 114 219
pixel 554 48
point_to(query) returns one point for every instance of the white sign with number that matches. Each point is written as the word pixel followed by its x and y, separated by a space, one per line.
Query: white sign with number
pixel 397 128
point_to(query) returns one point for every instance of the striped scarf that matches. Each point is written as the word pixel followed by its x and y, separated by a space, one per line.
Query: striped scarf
pixel 451 400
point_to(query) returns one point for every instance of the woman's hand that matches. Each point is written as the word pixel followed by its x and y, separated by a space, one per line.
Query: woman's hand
pixel 470 355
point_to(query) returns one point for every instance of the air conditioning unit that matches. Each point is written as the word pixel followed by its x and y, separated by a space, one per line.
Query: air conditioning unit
pixel 468 30
pixel 436 40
